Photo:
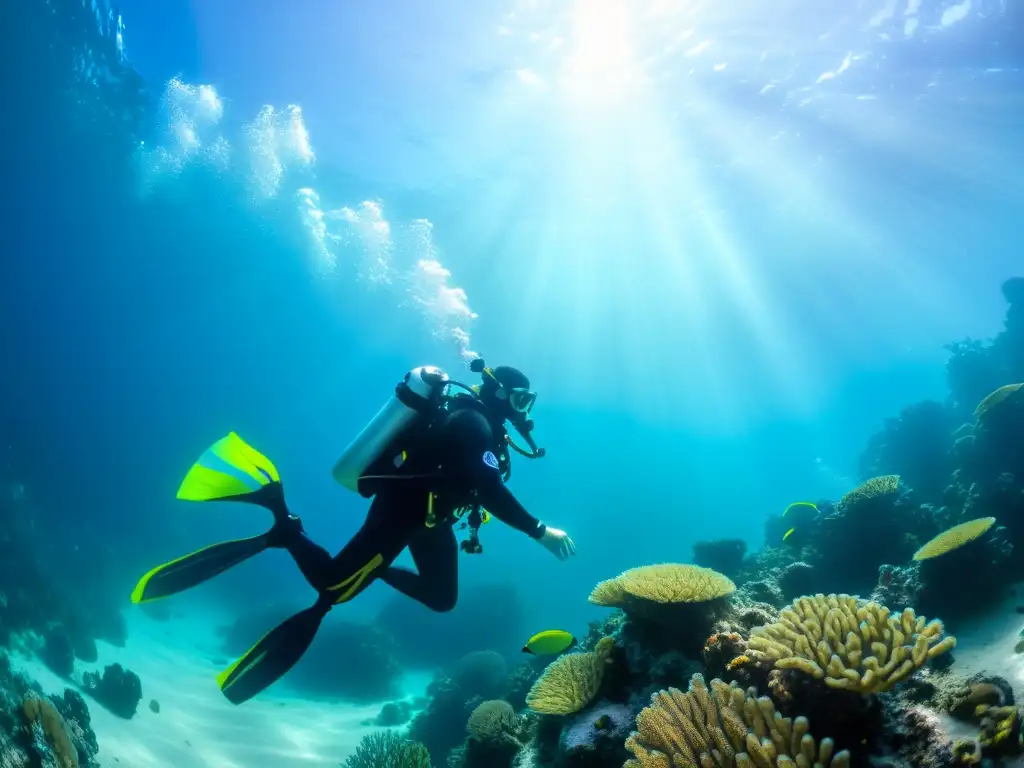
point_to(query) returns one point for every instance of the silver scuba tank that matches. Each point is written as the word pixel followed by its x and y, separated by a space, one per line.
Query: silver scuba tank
pixel 415 395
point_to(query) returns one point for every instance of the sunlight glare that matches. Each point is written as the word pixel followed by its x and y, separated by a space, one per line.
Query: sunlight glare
pixel 601 57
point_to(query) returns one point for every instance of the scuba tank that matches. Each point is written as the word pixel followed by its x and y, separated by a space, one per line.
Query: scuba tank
pixel 417 394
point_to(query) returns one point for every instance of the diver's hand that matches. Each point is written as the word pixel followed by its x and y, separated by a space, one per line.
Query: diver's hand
pixel 558 543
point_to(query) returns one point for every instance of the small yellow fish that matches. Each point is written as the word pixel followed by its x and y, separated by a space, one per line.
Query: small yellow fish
pixel 788 533
pixel 798 504
pixel 550 642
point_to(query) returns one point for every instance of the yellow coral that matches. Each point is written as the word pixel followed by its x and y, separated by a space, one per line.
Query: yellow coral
pixel 493 722
pixel 995 398
pixel 870 490
pixel 954 538
pixel 571 682
pixel 608 593
pixel 854 647
pixel 723 728
pixel 42 714
pixel 664 583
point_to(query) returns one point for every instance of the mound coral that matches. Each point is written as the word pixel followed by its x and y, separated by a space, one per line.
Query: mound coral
pixel 493 722
pixel 571 682
pixel 827 636
pixel 869 491
pixel 954 538
pixel 723 728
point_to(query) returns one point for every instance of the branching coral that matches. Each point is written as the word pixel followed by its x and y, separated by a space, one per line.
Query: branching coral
pixel 385 748
pixel 571 682
pixel 827 637
pixel 723 728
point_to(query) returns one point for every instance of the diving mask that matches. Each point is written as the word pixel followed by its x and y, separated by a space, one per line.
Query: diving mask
pixel 520 400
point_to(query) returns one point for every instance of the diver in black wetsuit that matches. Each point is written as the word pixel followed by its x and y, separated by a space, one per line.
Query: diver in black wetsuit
pixel 429 460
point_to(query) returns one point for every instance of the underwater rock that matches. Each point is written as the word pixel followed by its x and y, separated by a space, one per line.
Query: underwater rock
pixel 452 697
pixel 481 673
pixel 521 679
pixel 597 735
pixel 898 586
pixel 916 446
pixel 911 736
pixel 487 616
pixel 796 579
pixel 393 713
pixel 722 555
pixel 762 591
pixel 57 653
pixel 118 690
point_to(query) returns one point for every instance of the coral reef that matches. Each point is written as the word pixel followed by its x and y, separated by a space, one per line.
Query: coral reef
pixel 454 694
pixel 487 616
pixel 494 736
pixel 36 730
pixel 724 727
pixel 571 682
pixel 852 647
pixel 722 555
pixel 117 689
pixel 679 599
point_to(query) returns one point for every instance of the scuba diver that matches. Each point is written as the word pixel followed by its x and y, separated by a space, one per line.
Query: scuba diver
pixel 429 459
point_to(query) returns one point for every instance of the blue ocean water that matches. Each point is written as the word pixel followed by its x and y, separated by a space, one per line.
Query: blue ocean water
pixel 724 242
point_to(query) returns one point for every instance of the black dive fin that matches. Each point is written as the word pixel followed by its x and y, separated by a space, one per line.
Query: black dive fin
pixel 271 657
pixel 197 567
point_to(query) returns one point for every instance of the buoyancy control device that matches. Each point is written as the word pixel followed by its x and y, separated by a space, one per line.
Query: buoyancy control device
pixel 419 393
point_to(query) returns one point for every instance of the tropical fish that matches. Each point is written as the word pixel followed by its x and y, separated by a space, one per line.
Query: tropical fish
pixel 550 642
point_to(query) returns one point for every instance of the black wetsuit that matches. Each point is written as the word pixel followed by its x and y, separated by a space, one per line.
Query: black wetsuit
pixel 456 461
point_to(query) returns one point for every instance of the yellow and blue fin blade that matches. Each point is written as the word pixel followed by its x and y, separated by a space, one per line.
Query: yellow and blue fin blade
pixel 195 568
pixel 273 655
pixel 788 533
pixel 485 516
pixel 228 469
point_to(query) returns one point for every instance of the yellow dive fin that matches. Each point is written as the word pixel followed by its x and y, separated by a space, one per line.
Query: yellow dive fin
pixel 230 468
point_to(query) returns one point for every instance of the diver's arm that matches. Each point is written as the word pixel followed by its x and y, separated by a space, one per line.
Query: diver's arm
pixel 473 465
pixel 500 502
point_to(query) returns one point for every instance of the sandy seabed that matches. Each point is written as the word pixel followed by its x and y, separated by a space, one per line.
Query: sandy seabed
pixel 196 727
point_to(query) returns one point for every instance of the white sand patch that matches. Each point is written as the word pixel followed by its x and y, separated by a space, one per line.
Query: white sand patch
pixel 196 726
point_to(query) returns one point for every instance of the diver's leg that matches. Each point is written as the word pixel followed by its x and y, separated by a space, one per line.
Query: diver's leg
pixel 392 519
pixel 435 583
pixel 390 522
